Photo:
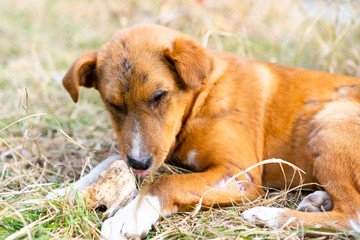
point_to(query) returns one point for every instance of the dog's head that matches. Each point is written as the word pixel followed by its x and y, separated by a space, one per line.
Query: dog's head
pixel 147 77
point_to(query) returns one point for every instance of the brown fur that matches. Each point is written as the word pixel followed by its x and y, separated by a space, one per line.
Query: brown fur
pixel 223 114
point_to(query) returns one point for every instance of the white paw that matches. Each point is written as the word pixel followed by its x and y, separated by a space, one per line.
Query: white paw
pixel 135 219
pixel 267 215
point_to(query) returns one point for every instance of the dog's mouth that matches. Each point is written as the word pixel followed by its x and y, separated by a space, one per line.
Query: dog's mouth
pixel 140 172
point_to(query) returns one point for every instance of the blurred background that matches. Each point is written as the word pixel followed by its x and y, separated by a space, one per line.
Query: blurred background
pixel 40 39
pixel 41 127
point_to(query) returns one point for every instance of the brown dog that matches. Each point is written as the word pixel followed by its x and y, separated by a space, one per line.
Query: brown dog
pixel 218 114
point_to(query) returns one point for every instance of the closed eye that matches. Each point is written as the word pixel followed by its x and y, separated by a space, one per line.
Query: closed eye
pixel 156 98
pixel 115 107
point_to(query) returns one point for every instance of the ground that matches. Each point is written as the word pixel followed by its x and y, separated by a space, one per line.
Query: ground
pixel 45 138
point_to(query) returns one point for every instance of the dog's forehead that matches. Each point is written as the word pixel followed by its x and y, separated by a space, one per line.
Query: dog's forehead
pixel 133 64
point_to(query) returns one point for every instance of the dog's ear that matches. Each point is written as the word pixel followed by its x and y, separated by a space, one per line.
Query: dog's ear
pixel 81 73
pixel 191 62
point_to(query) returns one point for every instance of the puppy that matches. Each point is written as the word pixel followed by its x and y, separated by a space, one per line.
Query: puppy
pixel 218 114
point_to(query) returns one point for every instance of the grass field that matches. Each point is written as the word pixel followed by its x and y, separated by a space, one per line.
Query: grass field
pixel 45 138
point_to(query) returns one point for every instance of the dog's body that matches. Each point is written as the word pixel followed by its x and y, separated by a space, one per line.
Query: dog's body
pixel 217 115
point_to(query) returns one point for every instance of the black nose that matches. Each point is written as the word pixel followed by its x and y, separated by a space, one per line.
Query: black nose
pixel 140 164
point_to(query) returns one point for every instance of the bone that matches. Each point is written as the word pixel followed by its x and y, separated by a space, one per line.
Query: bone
pixel 114 188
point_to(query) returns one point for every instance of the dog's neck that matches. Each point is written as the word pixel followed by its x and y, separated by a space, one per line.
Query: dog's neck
pixel 194 107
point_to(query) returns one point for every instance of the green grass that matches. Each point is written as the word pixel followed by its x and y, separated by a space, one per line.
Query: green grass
pixel 59 219
pixel 40 39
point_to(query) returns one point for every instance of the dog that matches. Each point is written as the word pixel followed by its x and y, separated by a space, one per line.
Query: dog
pixel 220 116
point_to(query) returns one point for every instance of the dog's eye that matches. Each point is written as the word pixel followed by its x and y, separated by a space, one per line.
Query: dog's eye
pixel 156 98
pixel 116 107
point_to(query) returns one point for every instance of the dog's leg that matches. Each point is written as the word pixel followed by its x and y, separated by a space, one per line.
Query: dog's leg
pixel 172 193
pixel 335 143
pixel 282 217
pixel 344 215
pixel 83 182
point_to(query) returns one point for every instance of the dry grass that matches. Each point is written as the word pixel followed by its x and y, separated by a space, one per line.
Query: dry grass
pixel 39 39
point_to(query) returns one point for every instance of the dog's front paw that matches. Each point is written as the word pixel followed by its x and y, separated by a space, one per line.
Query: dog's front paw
pixel 135 219
pixel 266 215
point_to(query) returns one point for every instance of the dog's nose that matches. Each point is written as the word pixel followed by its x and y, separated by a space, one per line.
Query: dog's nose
pixel 140 164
